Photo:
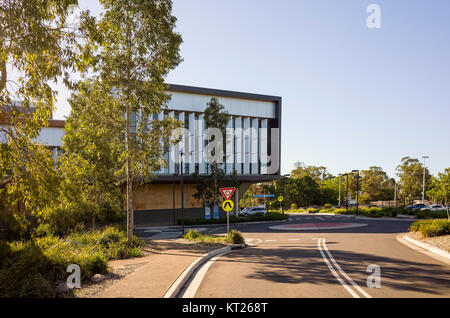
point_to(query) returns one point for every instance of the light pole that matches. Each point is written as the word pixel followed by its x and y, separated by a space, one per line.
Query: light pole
pixel 173 197
pixel 346 193
pixel 395 193
pixel 340 190
pixel 284 176
pixel 357 191
pixel 182 193
pixel 423 183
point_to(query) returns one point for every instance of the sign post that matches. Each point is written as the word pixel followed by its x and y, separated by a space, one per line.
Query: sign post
pixel 228 205
pixel 280 199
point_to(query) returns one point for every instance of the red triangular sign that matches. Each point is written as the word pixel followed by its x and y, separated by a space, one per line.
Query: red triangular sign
pixel 227 192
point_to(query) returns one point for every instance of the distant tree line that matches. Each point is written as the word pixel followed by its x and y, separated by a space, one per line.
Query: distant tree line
pixel 310 185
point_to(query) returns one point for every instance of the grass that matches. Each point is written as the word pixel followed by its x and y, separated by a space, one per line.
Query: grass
pixel 234 237
pixel 431 228
pixel 31 268
pixel 269 216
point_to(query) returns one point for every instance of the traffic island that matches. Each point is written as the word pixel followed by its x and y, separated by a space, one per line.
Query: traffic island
pixel 316 226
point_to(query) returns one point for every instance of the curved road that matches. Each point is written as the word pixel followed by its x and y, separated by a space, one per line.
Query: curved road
pixel 324 263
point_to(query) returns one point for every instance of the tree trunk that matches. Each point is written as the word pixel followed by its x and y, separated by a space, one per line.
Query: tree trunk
pixel 3 75
pixel 130 222
pixel 446 207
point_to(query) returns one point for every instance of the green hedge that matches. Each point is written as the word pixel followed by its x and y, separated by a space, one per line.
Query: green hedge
pixel 430 228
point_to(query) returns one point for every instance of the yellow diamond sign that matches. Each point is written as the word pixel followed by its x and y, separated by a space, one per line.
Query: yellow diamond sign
pixel 227 205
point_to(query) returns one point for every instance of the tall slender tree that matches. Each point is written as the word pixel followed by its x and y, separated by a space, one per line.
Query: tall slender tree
pixel 37 47
pixel 133 46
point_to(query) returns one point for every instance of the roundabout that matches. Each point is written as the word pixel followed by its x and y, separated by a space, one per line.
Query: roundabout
pixel 316 226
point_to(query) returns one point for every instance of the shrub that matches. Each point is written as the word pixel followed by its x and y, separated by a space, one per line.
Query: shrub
pixel 430 228
pixel 327 206
pixel 44 230
pixel 294 206
pixel 236 237
pixel 192 235
pixel 31 268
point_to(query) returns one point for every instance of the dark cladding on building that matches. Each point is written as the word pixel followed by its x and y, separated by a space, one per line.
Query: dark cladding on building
pixel 250 150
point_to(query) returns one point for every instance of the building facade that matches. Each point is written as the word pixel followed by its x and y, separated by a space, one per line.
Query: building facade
pixel 250 150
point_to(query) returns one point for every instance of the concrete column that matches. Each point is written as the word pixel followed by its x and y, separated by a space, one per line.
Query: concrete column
pixel 191 154
pixel 247 141
pixel 229 147
pixel 254 146
pixel 171 151
pixel 263 146
pixel 201 143
pixel 238 145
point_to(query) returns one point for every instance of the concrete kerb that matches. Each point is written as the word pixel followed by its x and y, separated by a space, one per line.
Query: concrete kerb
pixel 174 290
pixel 430 250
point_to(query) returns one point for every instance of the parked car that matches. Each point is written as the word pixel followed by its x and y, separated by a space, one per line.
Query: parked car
pixel 417 206
pixel 252 211
pixel 434 207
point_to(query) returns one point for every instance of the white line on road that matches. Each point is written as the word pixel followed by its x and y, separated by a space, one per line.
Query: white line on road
pixel 321 243
pixel 339 279
pixel 293 239
pixel 270 240
pixel 343 273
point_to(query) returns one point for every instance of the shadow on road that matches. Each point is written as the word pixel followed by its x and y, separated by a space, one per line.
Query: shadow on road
pixel 305 265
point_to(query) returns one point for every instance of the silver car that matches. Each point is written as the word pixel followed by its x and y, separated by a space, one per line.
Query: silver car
pixel 252 211
pixel 434 207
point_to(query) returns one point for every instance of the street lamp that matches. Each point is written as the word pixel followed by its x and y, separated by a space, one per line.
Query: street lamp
pixel 182 193
pixel 395 193
pixel 340 190
pixel 357 191
pixel 346 193
pixel 423 184
pixel 284 176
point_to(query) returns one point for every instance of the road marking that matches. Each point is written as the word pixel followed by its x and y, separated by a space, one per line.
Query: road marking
pixel 270 240
pixel 339 279
pixel 251 240
pixel 343 273
pixel 293 239
pixel 194 284
pixel 322 247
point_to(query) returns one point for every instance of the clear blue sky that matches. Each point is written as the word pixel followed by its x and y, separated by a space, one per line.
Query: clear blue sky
pixel 352 96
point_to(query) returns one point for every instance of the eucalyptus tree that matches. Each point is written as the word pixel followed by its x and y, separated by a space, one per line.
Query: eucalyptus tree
pixel 37 46
pixel 132 48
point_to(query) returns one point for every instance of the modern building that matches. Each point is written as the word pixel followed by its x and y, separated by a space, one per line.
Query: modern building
pixel 251 150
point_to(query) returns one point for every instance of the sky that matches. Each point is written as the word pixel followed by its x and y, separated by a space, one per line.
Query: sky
pixel 352 97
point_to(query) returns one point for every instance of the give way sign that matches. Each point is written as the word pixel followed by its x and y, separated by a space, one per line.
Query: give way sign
pixel 227 192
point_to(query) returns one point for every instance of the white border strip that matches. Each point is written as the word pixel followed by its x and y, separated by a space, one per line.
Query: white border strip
pixel 183 278
pixel 428 247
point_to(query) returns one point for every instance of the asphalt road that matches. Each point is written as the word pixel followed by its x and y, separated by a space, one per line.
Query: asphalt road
pixel 297 264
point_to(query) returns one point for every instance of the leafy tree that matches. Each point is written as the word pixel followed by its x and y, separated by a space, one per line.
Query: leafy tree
pixel 318 173
pixel 208 186
pixel 132 47
pixel 410 172
pixel 93 145
pixel 37 43
pixel 376 185
pixel 440 189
